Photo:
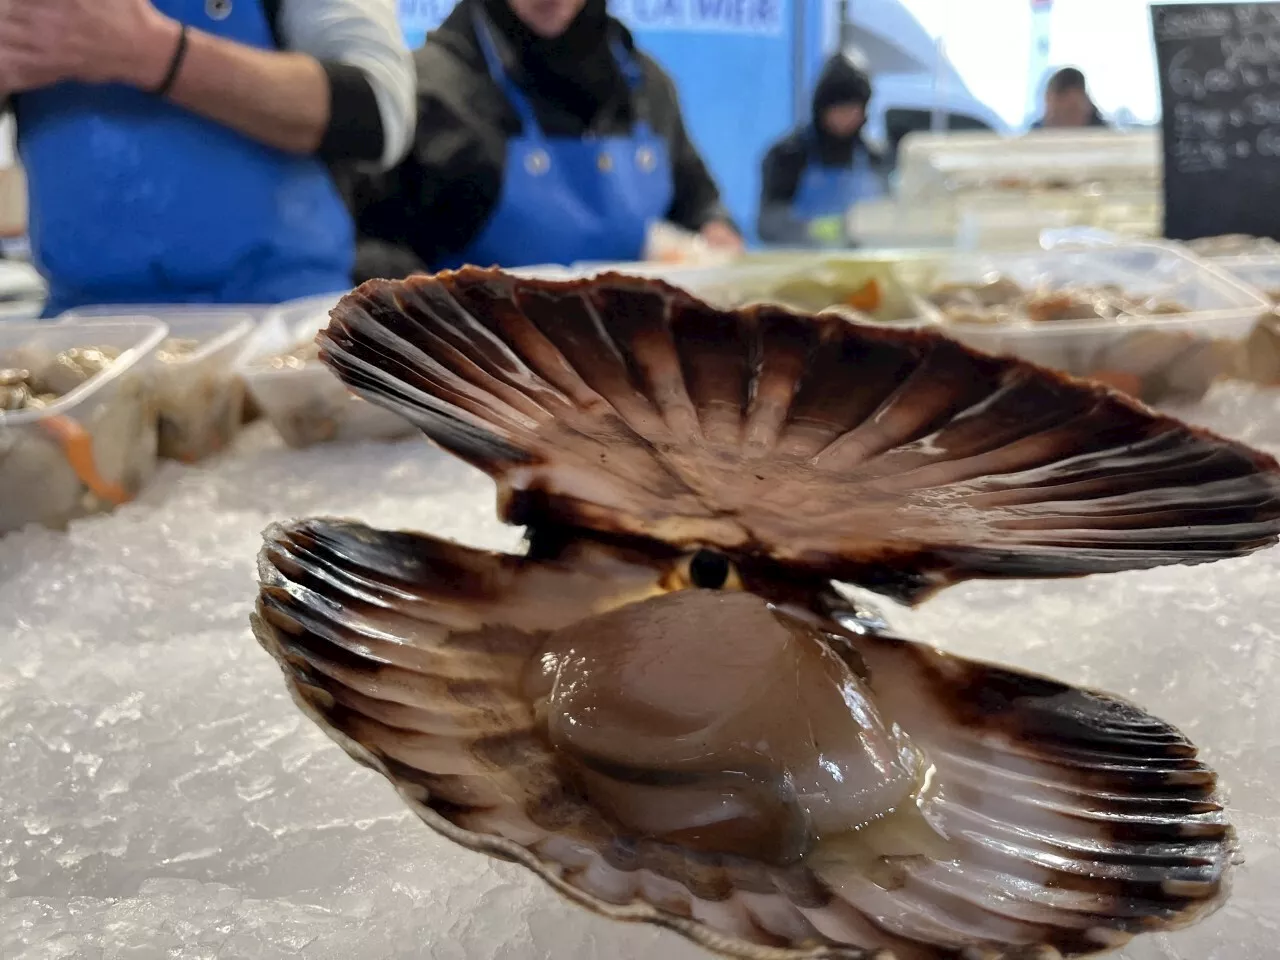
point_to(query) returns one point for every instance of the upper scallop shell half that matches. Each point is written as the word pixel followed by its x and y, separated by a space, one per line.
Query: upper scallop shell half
pixel 896 459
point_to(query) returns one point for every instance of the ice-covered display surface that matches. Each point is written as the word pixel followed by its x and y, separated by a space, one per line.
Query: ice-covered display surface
pixel 160 796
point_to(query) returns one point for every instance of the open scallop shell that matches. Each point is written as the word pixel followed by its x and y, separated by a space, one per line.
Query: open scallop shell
pixel 1072 820
pixel 896 459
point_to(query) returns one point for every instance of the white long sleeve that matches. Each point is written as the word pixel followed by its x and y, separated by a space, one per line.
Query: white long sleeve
pixel 364 34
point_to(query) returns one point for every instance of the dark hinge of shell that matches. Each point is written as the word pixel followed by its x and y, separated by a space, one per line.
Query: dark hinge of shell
pixel 709 570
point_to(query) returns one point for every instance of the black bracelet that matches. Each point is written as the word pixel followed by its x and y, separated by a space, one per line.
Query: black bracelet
pixel 180 54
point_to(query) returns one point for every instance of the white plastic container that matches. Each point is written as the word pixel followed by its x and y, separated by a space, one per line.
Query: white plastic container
pixel 1137 213
pixel 733 285
pixel 984 222
pixel 810 281
pixel 1170 356
pixel 887 223
pixel 199 393
pixel 932 165
pixel 1262 273
pixel 694 279
pixel 95 447
pixel 305 401
pixel 256 312
pixel 22 291
pixel 13 195
pixel 1233 247
pixel 548 271
pixel 1259 359
pixel 989 192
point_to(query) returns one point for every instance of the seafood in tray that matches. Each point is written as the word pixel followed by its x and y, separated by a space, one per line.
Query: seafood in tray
pixel 199 395
pixel 1234 245
pixel 666 709
pixel 998 299
pixel 305 403
pixel 1144 318
pixel 1259 358
pixel 77 419
pixel 200 398
pixel 39 378
pixel 862 288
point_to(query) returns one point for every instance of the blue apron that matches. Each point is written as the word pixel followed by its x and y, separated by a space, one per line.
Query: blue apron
pixel 137 200
pixel 568 199
pixel 832 191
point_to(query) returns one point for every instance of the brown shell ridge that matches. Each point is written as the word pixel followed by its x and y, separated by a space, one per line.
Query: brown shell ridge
pixel 893 458
pixel 1073 820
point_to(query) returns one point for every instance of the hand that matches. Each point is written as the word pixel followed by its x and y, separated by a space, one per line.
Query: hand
pixel 720 236
pixel 94 41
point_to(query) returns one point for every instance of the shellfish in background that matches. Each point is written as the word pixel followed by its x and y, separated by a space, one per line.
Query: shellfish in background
pixel 666 709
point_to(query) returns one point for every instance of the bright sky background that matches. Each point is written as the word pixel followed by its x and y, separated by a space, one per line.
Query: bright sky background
pixel 989 41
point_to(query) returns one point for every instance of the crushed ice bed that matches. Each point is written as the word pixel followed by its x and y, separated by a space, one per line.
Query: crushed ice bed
pixel 160 796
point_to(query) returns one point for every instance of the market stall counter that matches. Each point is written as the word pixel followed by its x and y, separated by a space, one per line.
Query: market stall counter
pixel 161 796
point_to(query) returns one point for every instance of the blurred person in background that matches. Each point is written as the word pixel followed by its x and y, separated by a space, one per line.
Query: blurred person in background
pixel 544 136
pixel 1067 103
pixel 178 151
pixel 812 177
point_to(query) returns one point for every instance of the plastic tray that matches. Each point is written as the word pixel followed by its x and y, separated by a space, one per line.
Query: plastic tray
pixel 1002 222
pixel 257 312
pixel 932 165
pixel 13 197
pixel 96 446
pixel 1262 273
pixel 308 405
pixel 546 271
pixel 1259 358
pixel 1172 357
pixel 200 395
pixel 802 280
pixel 887 223
pixel 1234 247
pixel 22 291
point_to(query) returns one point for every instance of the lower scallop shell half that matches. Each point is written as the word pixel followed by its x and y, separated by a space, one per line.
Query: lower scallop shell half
pixel 1056 821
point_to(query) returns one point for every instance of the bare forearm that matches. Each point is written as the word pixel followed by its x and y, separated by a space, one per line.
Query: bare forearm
pixel 280 99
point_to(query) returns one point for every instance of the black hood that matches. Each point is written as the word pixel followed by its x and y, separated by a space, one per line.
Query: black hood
pixel 577 70
pixel 841 81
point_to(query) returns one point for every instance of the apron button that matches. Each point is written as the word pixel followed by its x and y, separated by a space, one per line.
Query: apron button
pixel 604 162
pixel 217 9
pixel 537 162
pixel 645 159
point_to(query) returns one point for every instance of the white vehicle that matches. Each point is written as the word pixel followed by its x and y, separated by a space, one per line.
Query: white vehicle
pixel 911 76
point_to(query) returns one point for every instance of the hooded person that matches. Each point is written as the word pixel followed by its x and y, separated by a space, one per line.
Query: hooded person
pixel 811 177
pixel 544 136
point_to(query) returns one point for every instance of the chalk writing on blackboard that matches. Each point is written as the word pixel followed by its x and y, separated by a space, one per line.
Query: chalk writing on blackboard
pixel 1226 91
pixel 1220 86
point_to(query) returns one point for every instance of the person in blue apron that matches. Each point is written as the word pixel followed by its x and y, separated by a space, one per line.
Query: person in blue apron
pixel 186 160
pixel 813 176
pixel 544 137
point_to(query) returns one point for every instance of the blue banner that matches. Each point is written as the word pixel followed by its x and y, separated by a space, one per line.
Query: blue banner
pixel 760 17
pixel 733 64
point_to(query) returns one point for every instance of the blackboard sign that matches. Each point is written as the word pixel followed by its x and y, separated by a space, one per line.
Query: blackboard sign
pixel 1220 86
